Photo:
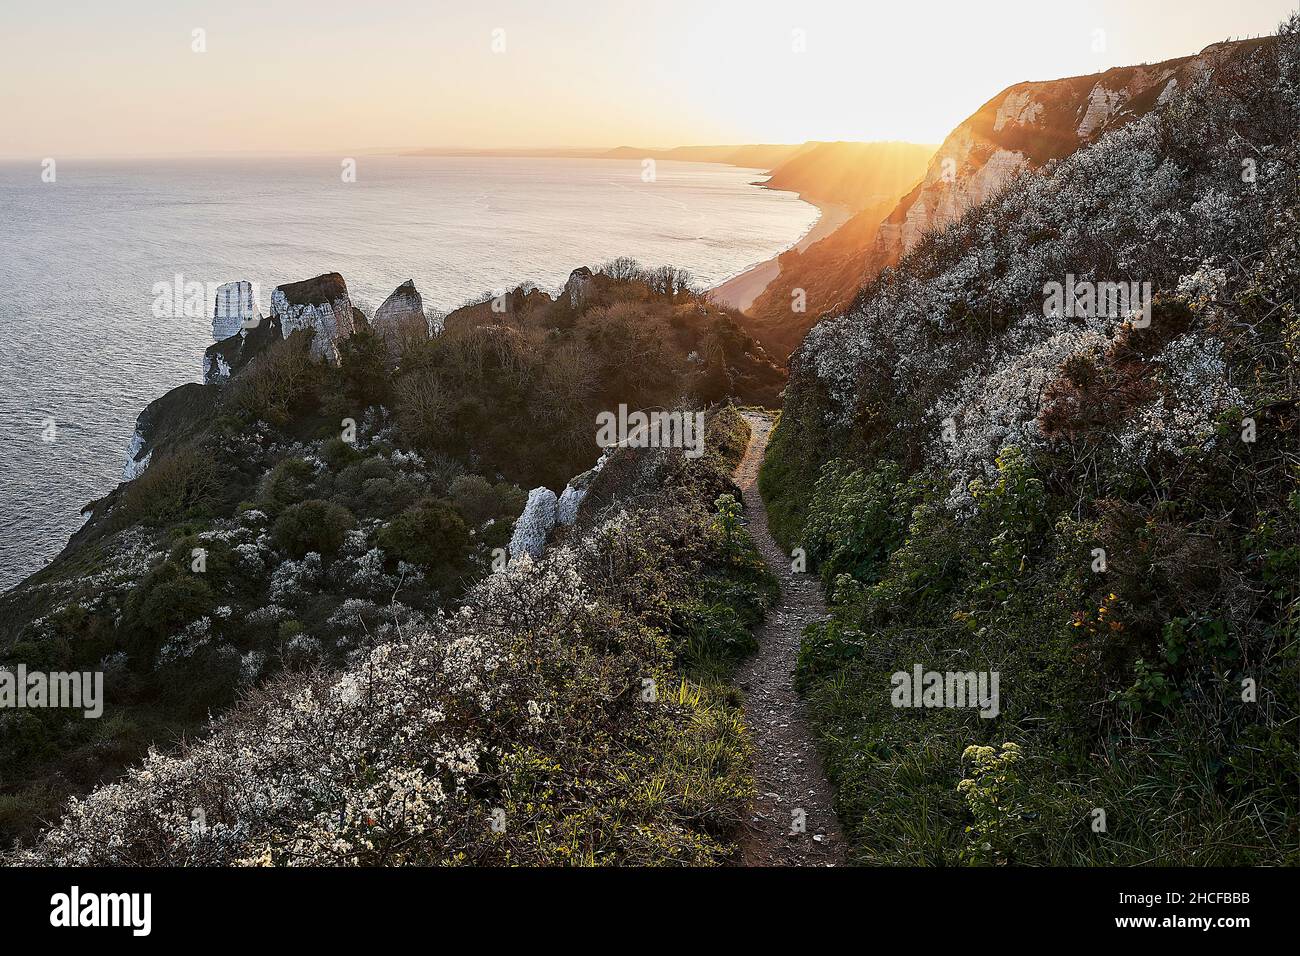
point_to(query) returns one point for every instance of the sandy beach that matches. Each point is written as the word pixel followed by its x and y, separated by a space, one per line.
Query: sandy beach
pixel 740 291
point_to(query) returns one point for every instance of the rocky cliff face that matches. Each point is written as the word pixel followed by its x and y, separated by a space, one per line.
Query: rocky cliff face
pixel 235 310
pixel 165 423
pixel 578 288
pixel 320 304
pixel 954 354
pixel 1024 127
pixel 402 313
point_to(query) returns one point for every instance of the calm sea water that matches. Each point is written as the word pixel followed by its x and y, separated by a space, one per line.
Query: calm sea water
pixel 79 258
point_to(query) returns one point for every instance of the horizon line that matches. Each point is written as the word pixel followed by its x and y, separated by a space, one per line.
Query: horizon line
pixel 432 151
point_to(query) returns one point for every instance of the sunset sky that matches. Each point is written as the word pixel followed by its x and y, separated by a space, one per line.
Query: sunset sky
pixel 95 78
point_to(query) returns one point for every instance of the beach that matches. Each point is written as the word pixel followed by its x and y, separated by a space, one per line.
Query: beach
pixel 740 291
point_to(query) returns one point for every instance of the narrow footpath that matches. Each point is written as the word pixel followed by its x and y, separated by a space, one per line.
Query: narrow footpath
pixel 792 821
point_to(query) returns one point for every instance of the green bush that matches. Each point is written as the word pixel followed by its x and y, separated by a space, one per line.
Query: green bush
pixel 286 484
pixel 183 484
pixel 432 535
pixel 338 454
pixel 1112 709
pixel 313 525
pixel 366 380
pixel 166 601
pixel 856 519
pixel 479 500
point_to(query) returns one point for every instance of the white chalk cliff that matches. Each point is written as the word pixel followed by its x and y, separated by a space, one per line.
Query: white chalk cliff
pixel 1022 128
pixel 322 305
pixel 535 524
pixel 401 313
pixel 235 310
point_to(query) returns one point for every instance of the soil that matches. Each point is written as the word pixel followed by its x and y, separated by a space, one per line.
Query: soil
pixel 788 775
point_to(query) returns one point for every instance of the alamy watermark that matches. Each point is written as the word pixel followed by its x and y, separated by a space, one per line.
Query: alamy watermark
pixel 1086 300
pixel 21 689
pixel 75 908
pixel 236 302
pixel 922 688
pixel 651 430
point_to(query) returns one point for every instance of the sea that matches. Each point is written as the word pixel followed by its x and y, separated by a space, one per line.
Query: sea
pixel 86 247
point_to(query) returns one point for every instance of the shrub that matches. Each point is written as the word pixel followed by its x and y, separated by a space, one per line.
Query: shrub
pixel 431 535
pixel 312 525
pixel 338 454
pixel 991 792
pixel 532 696
pixel 183 484
pixel 165 603
pixel 277 384
pixel 479 500
pixel 288 483
pixel 366 380
pixel 856 518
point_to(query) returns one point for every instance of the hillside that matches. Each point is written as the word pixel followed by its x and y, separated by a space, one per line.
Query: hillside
pixel 1025 127
pixel 1022 128
pixel 1096 503
pixel 340 482
pixel 374 595
pixel 856 175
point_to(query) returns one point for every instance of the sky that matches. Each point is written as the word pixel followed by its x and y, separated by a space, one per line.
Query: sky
pixel 127 78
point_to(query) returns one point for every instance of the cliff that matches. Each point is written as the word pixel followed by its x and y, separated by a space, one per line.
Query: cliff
pixel 1027 126
pixel 988 467
pixel 1023 128
pixel 320 307
pixel 327 492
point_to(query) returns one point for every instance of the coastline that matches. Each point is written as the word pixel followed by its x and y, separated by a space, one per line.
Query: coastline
pixel 740 291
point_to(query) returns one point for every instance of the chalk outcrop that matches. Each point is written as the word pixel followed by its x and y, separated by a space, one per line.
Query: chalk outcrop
pixel 566 510
pixel 535 524
pixel 321 305
pixel 234 315
pixel 401 315
pixel 579 287
pixel 235 310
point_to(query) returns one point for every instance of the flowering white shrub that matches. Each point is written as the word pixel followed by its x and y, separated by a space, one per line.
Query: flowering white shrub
pixel 194 636
pixel 251 665
pixel 526 698
pixel 292 579
pixel 956 333
pixel 1196 392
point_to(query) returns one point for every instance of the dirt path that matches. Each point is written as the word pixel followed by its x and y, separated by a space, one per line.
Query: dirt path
pixel 788 774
